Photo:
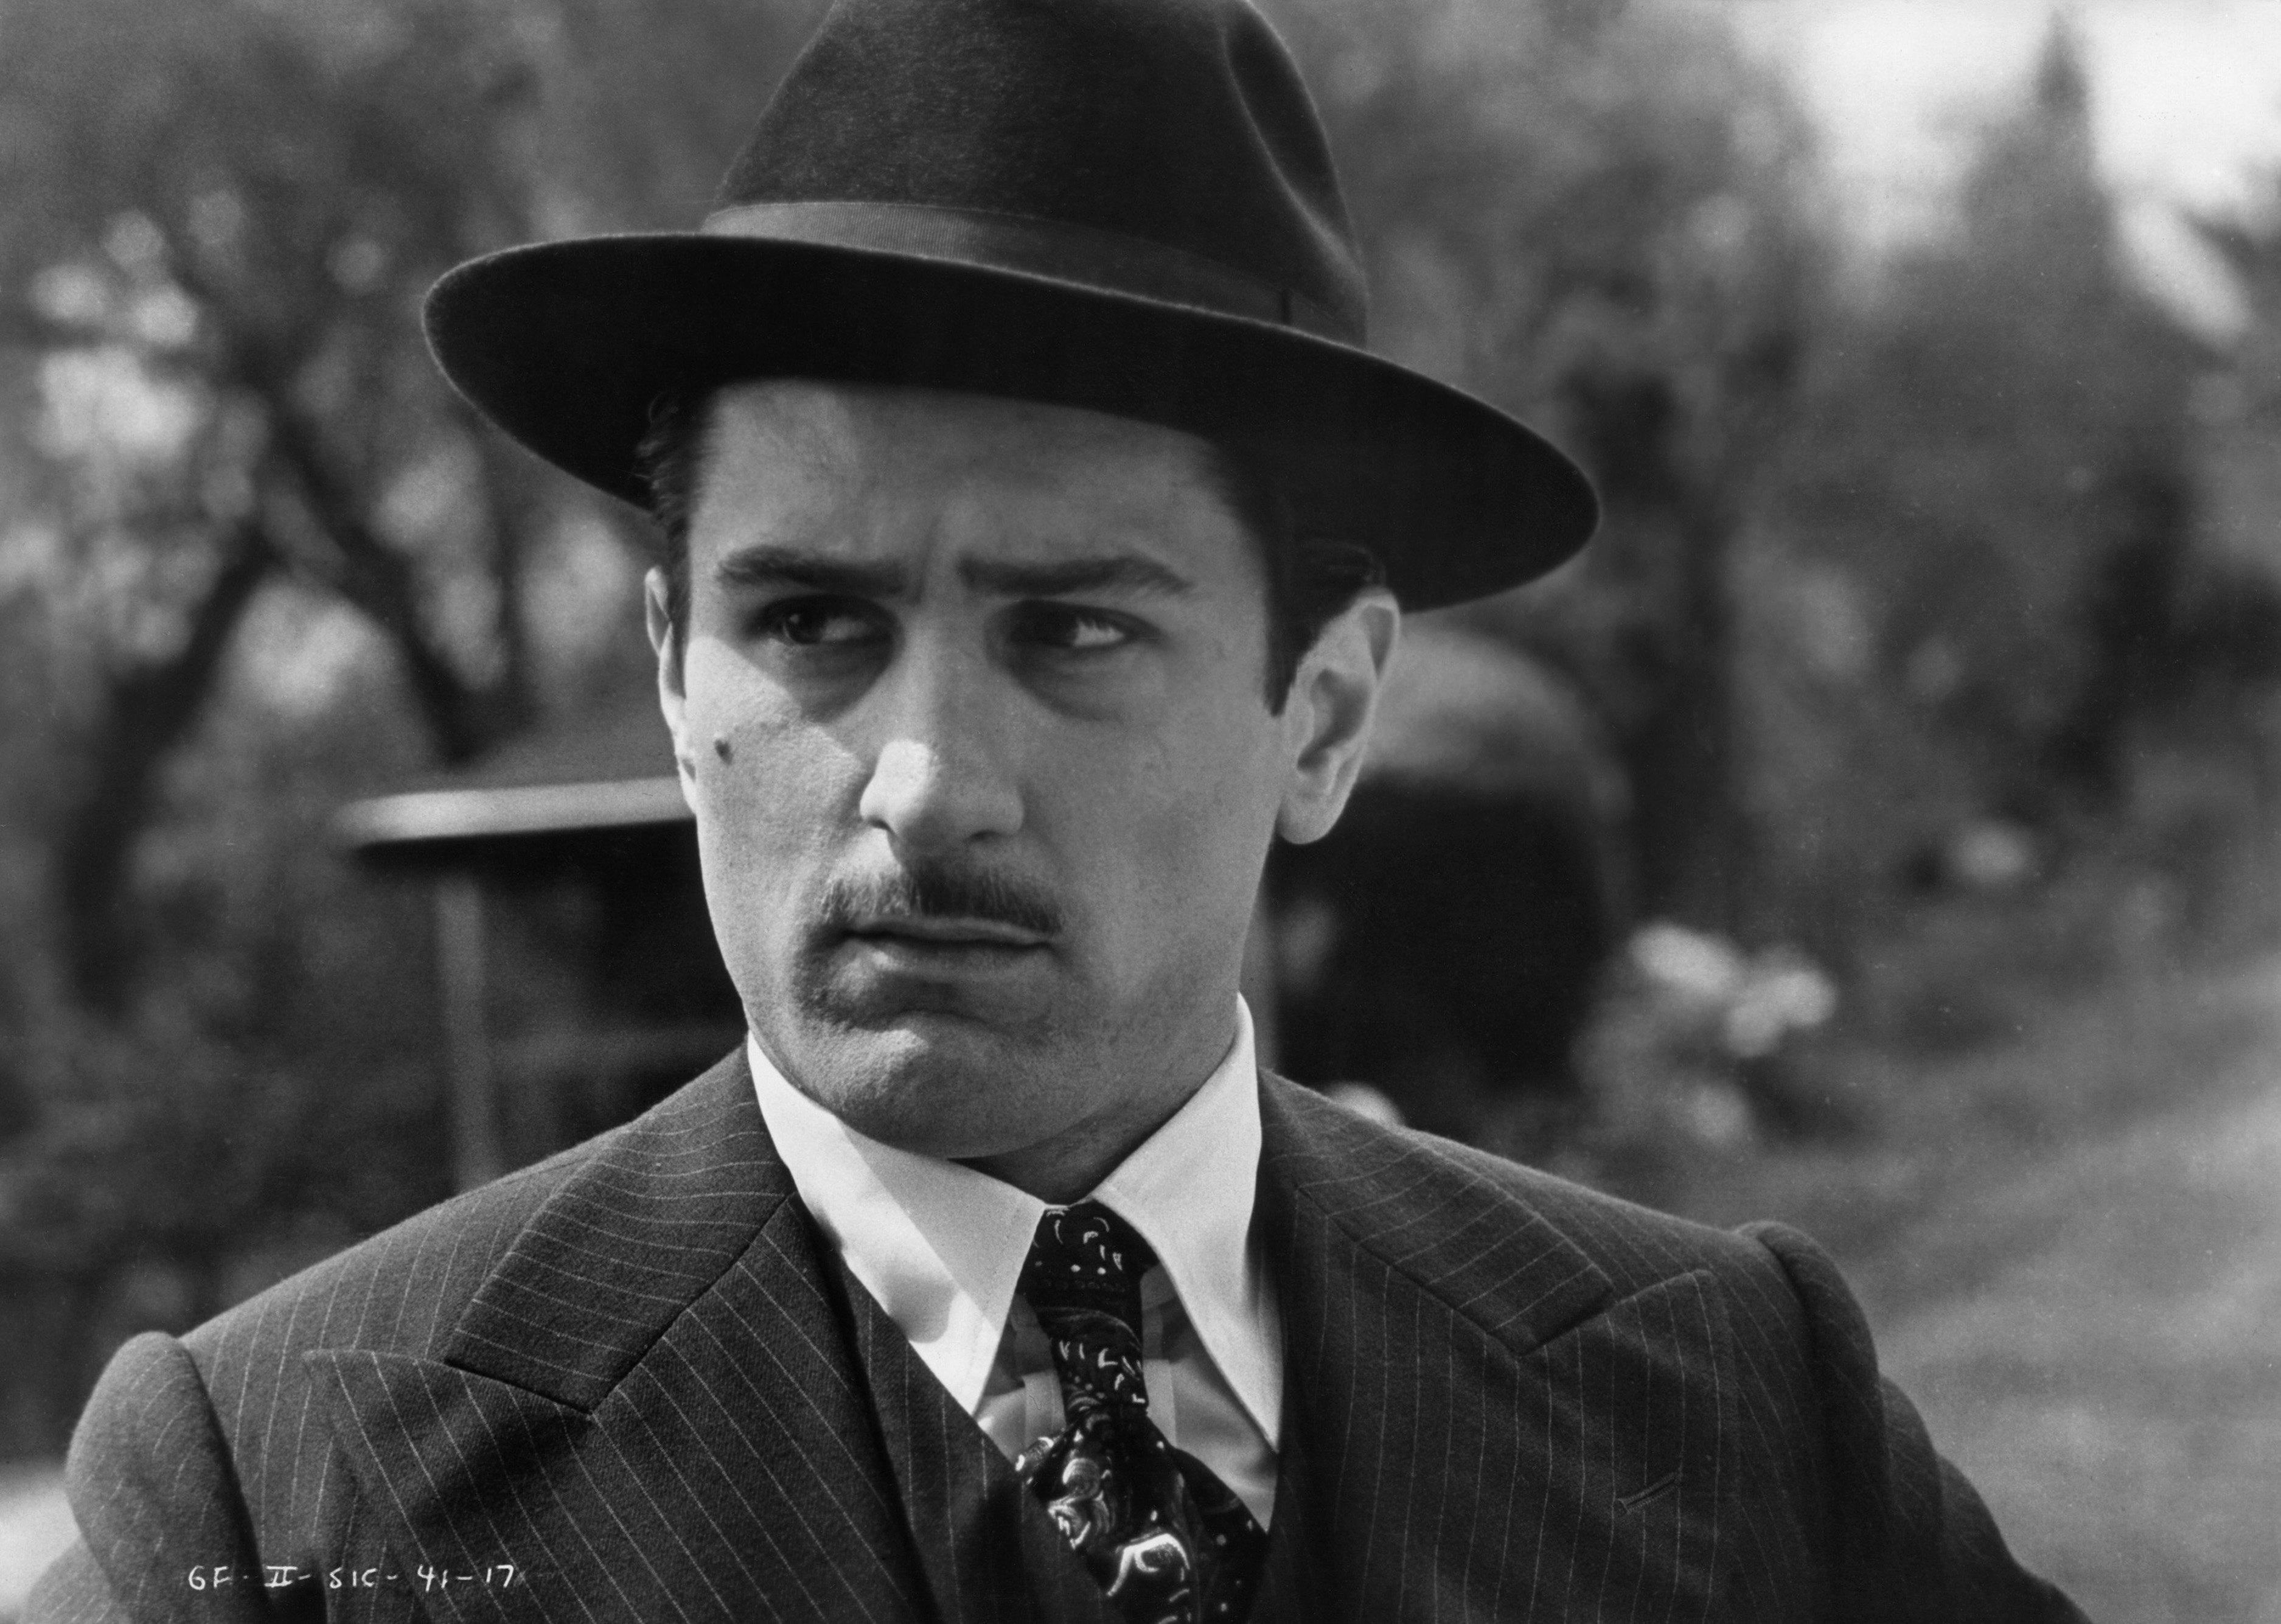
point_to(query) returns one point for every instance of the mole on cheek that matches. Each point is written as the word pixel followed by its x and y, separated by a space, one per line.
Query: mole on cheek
pixel 723 749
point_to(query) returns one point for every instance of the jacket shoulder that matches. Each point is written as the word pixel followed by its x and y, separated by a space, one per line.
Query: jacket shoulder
pixel 1822 1436
pixel 398 1291
pixel 1635 1246
pixel 402 1291
pixel 193 1455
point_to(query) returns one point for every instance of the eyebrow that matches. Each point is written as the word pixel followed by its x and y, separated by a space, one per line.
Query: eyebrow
pixel 817 572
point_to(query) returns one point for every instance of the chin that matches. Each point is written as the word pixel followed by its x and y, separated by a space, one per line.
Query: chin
pixel 931 1083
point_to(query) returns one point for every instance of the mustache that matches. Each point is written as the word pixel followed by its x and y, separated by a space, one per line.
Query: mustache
pixel 939 891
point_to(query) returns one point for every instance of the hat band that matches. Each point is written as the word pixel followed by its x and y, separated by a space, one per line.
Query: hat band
pixel 1106 260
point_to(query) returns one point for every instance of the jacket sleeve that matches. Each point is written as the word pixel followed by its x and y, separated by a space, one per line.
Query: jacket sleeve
pixel 163 1528
pixel 1912 1538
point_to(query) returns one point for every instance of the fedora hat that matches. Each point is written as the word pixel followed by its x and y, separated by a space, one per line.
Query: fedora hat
pixel 1124 206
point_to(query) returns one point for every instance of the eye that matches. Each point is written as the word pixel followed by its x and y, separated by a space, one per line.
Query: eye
pixel 821 622
pixel 1067 628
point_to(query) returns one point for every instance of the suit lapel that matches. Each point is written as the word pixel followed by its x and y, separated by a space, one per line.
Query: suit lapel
pixel 1473 1429
pixel 649 1408
pixel 990 1553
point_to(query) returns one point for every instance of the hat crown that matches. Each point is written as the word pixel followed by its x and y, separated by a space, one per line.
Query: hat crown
pixel 1171 125
pixel 1123 206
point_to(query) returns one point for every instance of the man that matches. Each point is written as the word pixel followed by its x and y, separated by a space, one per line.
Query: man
pixel 1038 532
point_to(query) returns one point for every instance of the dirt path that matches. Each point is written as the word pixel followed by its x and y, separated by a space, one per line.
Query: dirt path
pixel 2115 1389
pixel 2089 1312
pixel 35 1526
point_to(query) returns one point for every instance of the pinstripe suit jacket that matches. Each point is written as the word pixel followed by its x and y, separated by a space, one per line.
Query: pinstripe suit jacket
pixel 626 1383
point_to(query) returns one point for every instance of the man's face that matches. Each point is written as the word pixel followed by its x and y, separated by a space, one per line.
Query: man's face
pixel 971 715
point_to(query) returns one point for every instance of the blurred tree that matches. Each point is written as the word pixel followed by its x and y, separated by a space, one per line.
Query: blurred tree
pixel 1982 532
pixel 226 213
pixel 1596 215
pixel 256 558
pixel 2233 622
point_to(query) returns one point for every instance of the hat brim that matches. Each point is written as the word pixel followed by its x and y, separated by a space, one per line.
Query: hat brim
pixel 569 345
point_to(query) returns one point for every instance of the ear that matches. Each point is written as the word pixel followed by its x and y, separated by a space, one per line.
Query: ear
pixel 665 640
pixel 1328 714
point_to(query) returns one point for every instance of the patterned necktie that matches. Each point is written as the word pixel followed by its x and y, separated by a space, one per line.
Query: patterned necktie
pixel 1168 1540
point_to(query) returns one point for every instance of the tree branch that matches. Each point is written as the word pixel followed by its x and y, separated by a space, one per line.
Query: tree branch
pixel 375 577
pixel 148 710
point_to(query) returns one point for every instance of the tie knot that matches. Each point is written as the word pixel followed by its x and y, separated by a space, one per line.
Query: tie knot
pixel 1086 1258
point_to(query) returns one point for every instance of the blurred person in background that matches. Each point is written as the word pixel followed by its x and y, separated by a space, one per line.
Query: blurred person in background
pixel 1038 528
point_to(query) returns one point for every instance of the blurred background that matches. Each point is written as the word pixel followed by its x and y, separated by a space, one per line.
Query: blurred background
pixel 1876 829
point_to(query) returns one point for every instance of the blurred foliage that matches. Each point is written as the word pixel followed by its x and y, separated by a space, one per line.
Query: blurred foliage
pixel 1933 627
pixel 2008 611
pixel 1985 601
pixel 259 558
pixel 1599 216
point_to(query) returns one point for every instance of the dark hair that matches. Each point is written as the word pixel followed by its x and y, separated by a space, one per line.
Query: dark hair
pixel 1310 581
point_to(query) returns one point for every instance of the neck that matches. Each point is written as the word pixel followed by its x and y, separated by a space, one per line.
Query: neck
pixel 1071 1164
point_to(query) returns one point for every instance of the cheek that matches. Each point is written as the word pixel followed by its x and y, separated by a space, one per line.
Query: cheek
pixel 773 789
pixel 1174 818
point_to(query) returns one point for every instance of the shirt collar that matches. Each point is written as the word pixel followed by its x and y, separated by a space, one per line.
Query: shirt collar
pixel 1188 1188
pixel 940 1247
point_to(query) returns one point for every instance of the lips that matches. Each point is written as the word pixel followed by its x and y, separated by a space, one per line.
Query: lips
pixel 928 931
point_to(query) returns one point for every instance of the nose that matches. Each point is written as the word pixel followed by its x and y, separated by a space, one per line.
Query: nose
pixel 939 779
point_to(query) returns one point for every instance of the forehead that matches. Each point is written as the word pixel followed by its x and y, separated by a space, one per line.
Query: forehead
pixel 856 467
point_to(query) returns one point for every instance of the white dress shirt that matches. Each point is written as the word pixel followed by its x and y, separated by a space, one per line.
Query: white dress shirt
pixel 940 1247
